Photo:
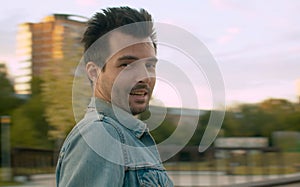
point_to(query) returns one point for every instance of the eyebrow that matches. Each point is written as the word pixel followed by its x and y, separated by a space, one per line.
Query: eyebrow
pixel 130 57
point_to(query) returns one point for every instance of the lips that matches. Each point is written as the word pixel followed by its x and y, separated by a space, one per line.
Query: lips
pixel 139 92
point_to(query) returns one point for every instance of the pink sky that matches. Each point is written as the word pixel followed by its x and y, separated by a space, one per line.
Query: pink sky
pixel 255 43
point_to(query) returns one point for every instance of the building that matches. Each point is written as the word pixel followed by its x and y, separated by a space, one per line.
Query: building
pixel 48 41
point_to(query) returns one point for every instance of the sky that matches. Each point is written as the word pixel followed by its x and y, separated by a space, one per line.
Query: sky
pixel 256 44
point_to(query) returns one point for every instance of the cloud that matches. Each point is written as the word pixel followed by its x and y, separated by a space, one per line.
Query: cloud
pixel 86 2
pixel 294 49
pixel 220 4
pixel 227 5
pixel 230 33
pixel 262 91
pixel 233 30
pixel 245 8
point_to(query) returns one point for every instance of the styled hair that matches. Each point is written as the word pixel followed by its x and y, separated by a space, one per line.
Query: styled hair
pixel 141 25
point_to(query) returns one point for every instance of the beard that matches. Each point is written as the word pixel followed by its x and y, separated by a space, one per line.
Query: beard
pixel 134 101
pixel 135 111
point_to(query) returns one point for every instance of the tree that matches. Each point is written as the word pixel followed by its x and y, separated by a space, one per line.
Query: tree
pixel 29 126
pixel 57 95
pixel 162 131
pixel 57 84
pixel 8 99
pixel 201 127
pixel 262 119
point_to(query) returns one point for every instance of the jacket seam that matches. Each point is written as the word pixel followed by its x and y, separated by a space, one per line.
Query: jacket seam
pixel 122 138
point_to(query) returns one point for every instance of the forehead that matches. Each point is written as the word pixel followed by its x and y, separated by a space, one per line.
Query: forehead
pixel 123 42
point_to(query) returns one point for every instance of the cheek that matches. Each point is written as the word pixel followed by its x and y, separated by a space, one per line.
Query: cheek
pixel 124 79
pixel 104 83
pixel 120 84
pixel 153 81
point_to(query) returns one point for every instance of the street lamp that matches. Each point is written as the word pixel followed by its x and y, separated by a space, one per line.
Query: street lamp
pixel 5 148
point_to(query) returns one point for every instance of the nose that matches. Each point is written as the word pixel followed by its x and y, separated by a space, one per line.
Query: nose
pixel 145 74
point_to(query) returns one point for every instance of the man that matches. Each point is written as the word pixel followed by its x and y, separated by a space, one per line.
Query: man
pixel 110 146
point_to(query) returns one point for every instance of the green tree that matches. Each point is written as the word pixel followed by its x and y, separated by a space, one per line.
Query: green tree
pixel 29 126
pixel 162 131
pixel 57 85
pixel 8 99
pixel 57 95
pixel 262 119
pixel 201 127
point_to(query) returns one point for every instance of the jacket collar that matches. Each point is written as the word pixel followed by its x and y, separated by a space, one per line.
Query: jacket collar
pixel 124 118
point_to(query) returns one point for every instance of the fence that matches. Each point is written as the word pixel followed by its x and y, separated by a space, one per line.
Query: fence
pixel 28 161
pixel 224 166
pixel 215 167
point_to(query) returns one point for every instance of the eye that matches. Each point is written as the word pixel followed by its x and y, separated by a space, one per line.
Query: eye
pixel 125 64
pixel 151 65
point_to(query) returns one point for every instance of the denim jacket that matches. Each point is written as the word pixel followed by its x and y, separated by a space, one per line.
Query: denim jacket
pixel 110 148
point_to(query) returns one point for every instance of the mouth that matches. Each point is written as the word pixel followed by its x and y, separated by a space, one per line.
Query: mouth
pixel 139 97
pixel 142 92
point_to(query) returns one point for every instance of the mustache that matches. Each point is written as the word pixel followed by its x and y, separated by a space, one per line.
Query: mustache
pixel 141 86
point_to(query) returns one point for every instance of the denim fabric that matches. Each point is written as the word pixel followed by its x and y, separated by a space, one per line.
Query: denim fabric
pixel 110 148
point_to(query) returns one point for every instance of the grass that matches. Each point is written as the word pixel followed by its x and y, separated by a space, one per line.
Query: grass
pixel 6 183
pixel 10 183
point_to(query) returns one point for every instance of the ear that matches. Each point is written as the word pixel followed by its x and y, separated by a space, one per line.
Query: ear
pixel 92 71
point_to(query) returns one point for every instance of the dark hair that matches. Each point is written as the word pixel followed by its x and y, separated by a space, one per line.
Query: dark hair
pixel 110 19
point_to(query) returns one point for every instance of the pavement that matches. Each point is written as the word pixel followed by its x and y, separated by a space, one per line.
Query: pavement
pixel 200 179
pixel 45 180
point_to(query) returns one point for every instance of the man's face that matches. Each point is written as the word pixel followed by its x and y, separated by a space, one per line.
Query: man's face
pixel 129 76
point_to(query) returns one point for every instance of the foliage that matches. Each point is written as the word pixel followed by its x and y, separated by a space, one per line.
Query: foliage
pixel 170 123
pixel 163 131
pixel 201 127
pixel 262 119
pixel 57 79
pixel 8 100
pixel 29 127
pixel 57 95
pixel 246 120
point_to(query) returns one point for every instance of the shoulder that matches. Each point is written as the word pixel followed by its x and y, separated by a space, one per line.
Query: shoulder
pixel 94 127
pixel 97 137
pixel 92 146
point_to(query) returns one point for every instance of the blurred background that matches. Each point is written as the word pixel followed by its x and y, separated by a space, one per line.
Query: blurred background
pixel 256 45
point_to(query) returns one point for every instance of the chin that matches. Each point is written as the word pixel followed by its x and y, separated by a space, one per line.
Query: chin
pixel 138 110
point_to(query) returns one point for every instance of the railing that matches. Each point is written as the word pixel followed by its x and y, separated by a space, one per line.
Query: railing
pixel 239 166
pixel 28 161
pixel 215 167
